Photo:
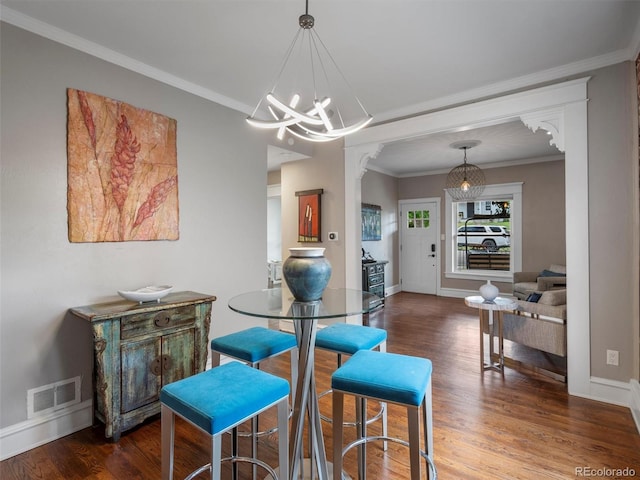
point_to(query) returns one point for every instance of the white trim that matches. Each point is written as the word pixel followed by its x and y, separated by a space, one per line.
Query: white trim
pixel 274 191
pixel 634 402
pixel 513 84
pixel 608 391
pixel 514 192
pixel 23 436
pixel 566 104
pixel 78 43
pixel 518 83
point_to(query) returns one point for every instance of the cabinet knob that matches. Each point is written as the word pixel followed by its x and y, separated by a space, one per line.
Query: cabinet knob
pixel 162 320
pixel 167 363
pixel 156 366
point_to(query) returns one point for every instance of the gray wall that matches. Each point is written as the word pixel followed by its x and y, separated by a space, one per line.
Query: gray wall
pixel 222 178
pixel 612 223
pixel 543 215
pixel 324 170
pixel 381 189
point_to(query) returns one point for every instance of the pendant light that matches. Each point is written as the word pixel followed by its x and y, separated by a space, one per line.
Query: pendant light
pixel 466 181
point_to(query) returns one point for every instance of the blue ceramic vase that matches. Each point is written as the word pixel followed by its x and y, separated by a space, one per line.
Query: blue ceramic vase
pixel 306 273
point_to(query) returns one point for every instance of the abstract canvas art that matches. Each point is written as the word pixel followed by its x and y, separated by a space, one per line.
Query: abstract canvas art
pixel 122 172
pixel 309 215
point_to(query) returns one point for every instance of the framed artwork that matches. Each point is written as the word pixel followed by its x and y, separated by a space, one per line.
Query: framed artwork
pixel 122 172
pixel 371 222
pixel 309 215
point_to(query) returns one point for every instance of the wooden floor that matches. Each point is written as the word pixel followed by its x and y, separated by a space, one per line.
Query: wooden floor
pixel 486 426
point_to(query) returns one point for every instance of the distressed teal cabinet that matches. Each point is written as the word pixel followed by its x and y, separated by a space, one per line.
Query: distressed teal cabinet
pixel 138 348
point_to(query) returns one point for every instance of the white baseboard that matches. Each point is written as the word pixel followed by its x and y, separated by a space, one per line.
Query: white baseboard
pixel 608 391
pixel 37 431
pixel 634 402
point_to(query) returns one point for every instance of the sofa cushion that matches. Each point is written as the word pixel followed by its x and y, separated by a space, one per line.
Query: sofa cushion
pixel 553 297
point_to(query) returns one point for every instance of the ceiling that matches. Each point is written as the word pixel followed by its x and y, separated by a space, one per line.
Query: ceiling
pixel 401 57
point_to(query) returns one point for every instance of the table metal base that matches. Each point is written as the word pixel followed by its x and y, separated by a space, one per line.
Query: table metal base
pixel 307 472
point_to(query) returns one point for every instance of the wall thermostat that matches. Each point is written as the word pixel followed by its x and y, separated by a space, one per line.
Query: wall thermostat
pixel 333 236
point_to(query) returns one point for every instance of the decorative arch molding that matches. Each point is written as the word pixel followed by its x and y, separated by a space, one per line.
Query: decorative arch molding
pixel 561 109
pixel 365 153
pixel 552 121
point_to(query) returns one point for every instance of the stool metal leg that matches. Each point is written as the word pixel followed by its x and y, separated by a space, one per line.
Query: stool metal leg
pixel 361 425
pixel 167 426
pixel 427 426
pixel 283 439
pixel 383 348
pixel 338 417
pixel 216 457
pixel 413 414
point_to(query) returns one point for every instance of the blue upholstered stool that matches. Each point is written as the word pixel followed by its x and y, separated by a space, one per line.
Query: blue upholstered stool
pixel 386 377
pixel 217 401
pixel 253 346
pixel 347 339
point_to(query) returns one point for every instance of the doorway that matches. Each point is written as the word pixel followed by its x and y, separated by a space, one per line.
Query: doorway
pixel 419 246
pixel 559 109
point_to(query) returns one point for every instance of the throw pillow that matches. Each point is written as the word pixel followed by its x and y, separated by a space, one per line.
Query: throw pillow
pixel 549 273
pixel 534 297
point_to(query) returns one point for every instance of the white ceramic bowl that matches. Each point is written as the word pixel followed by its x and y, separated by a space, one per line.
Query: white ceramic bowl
pixel 146 294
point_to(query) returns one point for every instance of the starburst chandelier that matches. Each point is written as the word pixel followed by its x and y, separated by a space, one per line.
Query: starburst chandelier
pixel 311 98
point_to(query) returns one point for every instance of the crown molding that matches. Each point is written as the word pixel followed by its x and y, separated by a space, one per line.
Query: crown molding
pixel 514 84
pixel 43 29
pixel 46 30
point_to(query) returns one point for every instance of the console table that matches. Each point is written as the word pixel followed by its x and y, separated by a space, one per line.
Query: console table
pixel 138 348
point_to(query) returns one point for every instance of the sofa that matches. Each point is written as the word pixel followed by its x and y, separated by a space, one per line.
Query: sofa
pixel 526 283
pixel 542 326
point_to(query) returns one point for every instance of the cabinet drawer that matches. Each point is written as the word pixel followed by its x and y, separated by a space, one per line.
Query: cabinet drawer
pixel 377 290
pixel 380 268
pixel 150 322
pixel 371 269
pixel 375 279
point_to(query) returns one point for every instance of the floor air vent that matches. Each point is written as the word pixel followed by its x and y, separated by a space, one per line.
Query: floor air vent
pixel 48 398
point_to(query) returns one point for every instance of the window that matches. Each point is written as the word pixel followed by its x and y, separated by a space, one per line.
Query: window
pixel 418 219
pixel 483 237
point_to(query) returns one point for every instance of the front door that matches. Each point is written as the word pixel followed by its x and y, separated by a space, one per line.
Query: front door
pixel 419 246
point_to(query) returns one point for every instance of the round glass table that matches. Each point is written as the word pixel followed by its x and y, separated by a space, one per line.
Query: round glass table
pixel 277 303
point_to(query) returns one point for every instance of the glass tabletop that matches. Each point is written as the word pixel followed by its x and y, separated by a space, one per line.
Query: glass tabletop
pixel 279 303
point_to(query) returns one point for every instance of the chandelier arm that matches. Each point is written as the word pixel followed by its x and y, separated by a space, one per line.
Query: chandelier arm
pixel 302 117
pixel 298 131
pixel 337 133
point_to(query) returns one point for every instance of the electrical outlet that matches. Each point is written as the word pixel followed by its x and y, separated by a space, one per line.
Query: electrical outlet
pixel 612 357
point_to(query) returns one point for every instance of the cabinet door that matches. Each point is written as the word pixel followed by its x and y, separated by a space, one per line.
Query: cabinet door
pixel 178 353
pixel 141 379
